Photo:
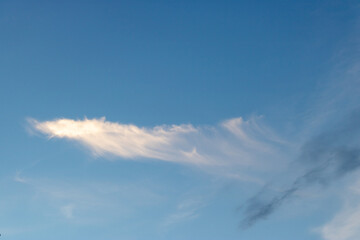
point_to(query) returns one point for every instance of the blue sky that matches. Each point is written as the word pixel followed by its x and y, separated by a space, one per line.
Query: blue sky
pixel 180 120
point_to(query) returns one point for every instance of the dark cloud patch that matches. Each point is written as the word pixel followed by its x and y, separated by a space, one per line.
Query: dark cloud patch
pixel 257 209
pixel 327 157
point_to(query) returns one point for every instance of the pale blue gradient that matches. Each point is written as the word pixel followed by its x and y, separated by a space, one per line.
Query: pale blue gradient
pixel 150 63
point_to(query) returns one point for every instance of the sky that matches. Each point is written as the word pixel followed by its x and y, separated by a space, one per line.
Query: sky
pixel 175 120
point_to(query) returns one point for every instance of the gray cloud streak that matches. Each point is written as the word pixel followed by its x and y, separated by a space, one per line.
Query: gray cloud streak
pixel 327 157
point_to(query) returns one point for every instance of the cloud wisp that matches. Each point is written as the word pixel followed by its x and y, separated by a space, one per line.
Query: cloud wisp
pixel 186 210
pixel 327 157
pixel 232 142
pixel 346 223
pixel 236 148
pixel 124 140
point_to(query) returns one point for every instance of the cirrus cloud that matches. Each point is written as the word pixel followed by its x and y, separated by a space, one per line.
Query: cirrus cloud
pixel 234 142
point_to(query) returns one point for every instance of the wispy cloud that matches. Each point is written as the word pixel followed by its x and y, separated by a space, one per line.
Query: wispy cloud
pixel 124 140
pixel 344 226
pixel 325 147
pixel 185 211
pixel 327 157
pixel 346 223
pixel 233 142
pixel 236 148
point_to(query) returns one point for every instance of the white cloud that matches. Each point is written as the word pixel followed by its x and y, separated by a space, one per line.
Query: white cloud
pixel 251 133
pixel 233 142
pixel 346 224
pixel 124 140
